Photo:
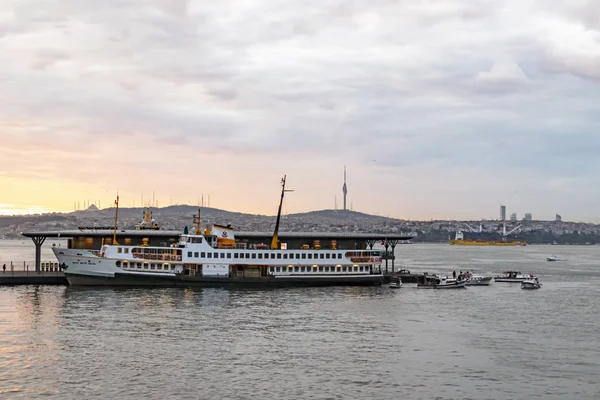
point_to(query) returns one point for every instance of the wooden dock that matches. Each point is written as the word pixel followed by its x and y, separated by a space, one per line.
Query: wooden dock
pixel 12 278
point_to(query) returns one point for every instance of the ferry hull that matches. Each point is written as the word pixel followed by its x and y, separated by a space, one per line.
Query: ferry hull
pixel 196 281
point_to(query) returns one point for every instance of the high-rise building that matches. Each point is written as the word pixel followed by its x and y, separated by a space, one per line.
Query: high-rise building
pixel 502 213
pixel 528 217
pixel 513 217
pixel 345 188
pixel 558 218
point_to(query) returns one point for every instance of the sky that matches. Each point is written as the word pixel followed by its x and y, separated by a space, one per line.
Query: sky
pixel 439 109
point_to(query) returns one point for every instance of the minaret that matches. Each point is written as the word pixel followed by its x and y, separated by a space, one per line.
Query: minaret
pixel 345 188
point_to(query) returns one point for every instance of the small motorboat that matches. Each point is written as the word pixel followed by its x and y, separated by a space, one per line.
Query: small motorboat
pixel 531 284
pixel 513 277
pixel 478 280
pixel 395 282
pixel 552 258
pixel 441 282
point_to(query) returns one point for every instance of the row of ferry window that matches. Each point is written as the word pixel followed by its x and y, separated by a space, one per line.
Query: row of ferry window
pixel 298 256
pixel 344 268
pixel 146 266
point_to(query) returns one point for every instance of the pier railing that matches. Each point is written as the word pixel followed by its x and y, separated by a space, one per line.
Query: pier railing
pixel 28 266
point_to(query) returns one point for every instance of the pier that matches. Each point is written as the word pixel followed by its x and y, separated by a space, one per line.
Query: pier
pixel 13 278
pixel 93 238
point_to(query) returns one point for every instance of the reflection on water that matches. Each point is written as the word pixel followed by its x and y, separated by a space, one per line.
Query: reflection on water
pixel 499 342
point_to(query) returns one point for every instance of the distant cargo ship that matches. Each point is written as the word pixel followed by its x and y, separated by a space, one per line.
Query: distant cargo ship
pixel 460 240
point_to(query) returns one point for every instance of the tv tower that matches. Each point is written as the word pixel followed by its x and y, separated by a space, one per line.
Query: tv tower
pixel 345 188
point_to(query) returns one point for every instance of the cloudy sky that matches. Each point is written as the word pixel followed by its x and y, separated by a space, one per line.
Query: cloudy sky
pixel 439 108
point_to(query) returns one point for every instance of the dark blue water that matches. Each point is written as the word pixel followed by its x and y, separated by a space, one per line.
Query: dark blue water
pixel 497 342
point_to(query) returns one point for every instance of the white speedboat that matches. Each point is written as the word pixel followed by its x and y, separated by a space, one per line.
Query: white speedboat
pixel 395 282
pixel 478 280
pixel 531 284
pixel 513 277
pixel 441 282
pixel 552 258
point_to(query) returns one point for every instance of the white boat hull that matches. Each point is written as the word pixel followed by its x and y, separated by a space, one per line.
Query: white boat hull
pixel 480 281
pixel 529 285
pixel 450 285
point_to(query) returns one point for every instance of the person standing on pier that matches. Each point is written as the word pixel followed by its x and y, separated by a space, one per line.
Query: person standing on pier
pixel 4 268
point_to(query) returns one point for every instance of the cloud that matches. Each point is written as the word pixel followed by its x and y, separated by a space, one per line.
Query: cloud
pixel 222 89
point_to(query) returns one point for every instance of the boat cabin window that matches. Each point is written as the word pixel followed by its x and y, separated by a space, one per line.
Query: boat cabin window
pixel 339 255
pixel 118 263
pixel 320 269
pixel 202 255
pixel 235 255
pixel 126 250
pixel 272 255
pixel 279 256
pixel 119 250
pixel 303 255
pixel 189 254
pixel 253 255
pixel 222 255
pixel 260 255
pixel 297 255
pixel 196 239
pixel 322 256
pixel 328 255
pixel 296 269
pixel 266 255
pixel 228 255
pixel 302 269
pixel 196 254
pixel 285 256
pixel 309 255
pixel 208 255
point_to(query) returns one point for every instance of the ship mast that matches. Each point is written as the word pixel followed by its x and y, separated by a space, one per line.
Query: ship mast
pixel 116 220
pixel 197 221
pixel 275 240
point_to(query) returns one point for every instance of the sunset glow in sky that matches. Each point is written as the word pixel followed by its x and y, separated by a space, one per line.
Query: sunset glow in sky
pixel 439 109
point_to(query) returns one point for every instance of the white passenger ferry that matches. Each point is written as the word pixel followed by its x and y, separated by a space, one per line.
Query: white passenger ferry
pixel 215 258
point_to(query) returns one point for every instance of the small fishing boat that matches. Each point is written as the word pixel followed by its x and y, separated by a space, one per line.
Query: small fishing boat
pixel 441 282
pixel 478 280
pixel 513 277
pixel 395 282
pixel 531 284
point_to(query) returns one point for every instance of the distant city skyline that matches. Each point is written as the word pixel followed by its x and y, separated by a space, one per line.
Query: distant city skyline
pixel 440 110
